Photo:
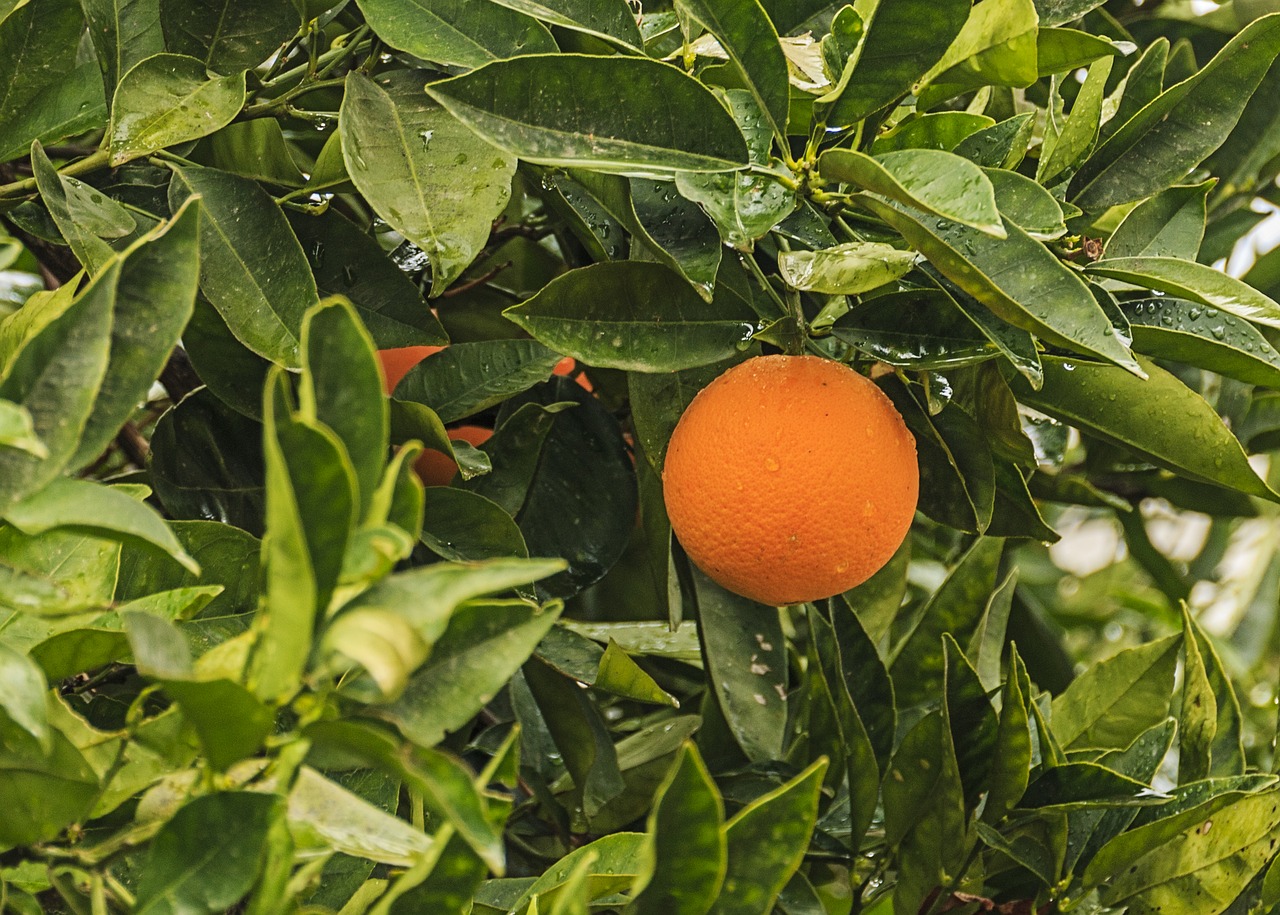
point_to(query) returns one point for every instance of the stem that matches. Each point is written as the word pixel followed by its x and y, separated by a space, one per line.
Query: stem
pixel 754 269
pixel 281 103
pixel 91 163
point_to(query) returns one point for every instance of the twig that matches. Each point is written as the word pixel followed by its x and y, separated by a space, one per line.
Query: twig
pixel 478 281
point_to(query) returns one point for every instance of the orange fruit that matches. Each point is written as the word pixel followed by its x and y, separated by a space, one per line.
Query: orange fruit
pixel 397 361
pixel 435 468
pixel 790 479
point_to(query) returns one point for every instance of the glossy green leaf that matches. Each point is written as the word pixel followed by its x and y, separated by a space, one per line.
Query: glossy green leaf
pixel 744 206
pixel 995 47
pixel 942 130
pixel 456 32
pixel 746 659
pixel 1225 754
pixel 615 860
pixel 1001 146
pixel 55 377
pixel 620 675
pixel 1172 134
pixel 90 506
pixel 251 266
pixel 256 149
pixel 1116 700
pixel 323 812
pixel 462 525
pixel 1081 128
pixel 449 887
pixel 612 20
pixel 689 846
pixel 69 204
pixel 1011 761
pixel 404 154
pixel 162 266
pixel 168 99
pixel 955 607
pixel 1197 282
pixel 972 720
pixel 766 842
pixel 1027 204
pixel 46 94
pixel 469 377
pixel 1170 224
pixel 483 646
pixel 24 701
pixel 631 316
pixel 1059 50
pixel 986 646
pixel 1140 415
pixel 123 32
pixel 342 388
pixel 848 269
pixel 224 35
pixel 903 41
pixel 935 181
pixel 1016 277
pixel 748 36
pixel 208 856
pixel 623 114
pixel 1169 328
pixel 918 329
pixel 348 262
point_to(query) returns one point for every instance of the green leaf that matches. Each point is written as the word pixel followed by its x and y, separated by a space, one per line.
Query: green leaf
pixel 162 266
pixel 482 648
pixel 611 20
pixel 1226 755
pixel 903 40
pixel 1011 759
pixel 1198 718
pixel 766 842
pixel 325 815
pixel 45 94
pixel 944 130
pixel 1169 328
pixel 1170 224
pixel 1027 204
pixel 1114 701
pixel 1215 859
pixel 348 262
pixel 848 269
pixel 56 573
pixel 452 883
pixel 404 154
pixel 973 723
pixel 995 47
pixel 620 675
pixel 70 206
pixel 748 36
pixel 342 389
pixel 1061 50
pixel 123 33
pixel 689 847
pixel 462 525
pixel 18 431
pixel 924 812
pixel 1001 145
pixel 918 329
pixel 208 856
pixel 1017 277
pixel 986 647
pixel 631 316
pixel 615 860
pixel 1197 282
pixel 42 792
pixel 466 378
pixel 743 205
pixel 1082 785
pixel 224 35
pixel 251 266
pixel 55 377
pixel 456 32
pixel 1081 128
pixel 623 114
pixel 24 701
pixel 168 99
pixel 88 506
pixel 956 607
pixel 746 659
pixel 935 181
pixel 1160 419
pixel 1172 134
pixel 230 721
pixel 256 149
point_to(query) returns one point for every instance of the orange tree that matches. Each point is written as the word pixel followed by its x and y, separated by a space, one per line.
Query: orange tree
pixel 249 664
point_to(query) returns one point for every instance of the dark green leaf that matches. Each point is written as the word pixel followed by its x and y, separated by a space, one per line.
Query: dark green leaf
pixel 1001 145
pixel 1082 783
pixel 208 856
pixel 1170 328
pixel 74 212
pixel 1011 760
pixel 230 721
pixel 404 154
pixel 251 266
pixel 1026 204
pixel 612 20
pixel 1160 419
pixel 917 329
pixel 168 99
pixel 608 113
pixel 123 32
pixel 1081 128
pixel 224 35
pixel 973 723
pixel 631 316
pixel 462 525
pixel 1197 282
pixel 456 32
pixel 1170 224
pixel 469 377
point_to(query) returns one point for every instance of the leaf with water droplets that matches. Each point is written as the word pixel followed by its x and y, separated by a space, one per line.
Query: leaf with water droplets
pixel 1027 205
pixel 1160 419
pixel 636 316
pixel 847 269
pixel 932 180
pixel 169 99
pixel 424 173
pixel 919 329
pixel 458 32
pixel 1197 282
pixel 619 114
pixel 1169 328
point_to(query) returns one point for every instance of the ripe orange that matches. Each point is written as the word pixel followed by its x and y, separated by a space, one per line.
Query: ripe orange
pixel 435 468
pixel 790 478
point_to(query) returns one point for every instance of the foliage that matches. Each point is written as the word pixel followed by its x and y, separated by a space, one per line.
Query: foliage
pixel 248 664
